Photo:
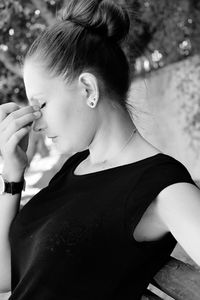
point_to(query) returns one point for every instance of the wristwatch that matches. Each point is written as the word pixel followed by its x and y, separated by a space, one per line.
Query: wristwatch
pixel 11 187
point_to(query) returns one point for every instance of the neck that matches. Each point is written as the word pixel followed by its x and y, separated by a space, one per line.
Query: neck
pixel 112 138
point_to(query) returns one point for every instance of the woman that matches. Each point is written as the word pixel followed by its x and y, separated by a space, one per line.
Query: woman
pixel 111 216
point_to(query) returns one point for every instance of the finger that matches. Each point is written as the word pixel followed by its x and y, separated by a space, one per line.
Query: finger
pixel 17 114
pixel 16 138
pixel 17 124
pixel 7 108
pixel 25 110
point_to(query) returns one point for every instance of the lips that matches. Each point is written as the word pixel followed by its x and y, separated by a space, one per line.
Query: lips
pixel 54 139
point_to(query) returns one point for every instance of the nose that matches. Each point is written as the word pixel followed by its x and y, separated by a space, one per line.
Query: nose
pixel 38 125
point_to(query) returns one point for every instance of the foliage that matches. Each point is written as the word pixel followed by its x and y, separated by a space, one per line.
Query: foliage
pixel 163 32
pixel 20 23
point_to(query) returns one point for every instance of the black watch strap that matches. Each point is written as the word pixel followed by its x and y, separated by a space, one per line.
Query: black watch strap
pixel 14 187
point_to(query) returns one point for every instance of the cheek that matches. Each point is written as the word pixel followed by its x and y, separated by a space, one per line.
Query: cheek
pixel 52 117
pixel 72 121
pixel 62 119
pixel 83 126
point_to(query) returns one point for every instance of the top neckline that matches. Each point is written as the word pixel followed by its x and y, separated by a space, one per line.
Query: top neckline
pixel 109 170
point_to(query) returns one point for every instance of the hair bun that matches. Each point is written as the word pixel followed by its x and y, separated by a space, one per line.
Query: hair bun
pixel 103 17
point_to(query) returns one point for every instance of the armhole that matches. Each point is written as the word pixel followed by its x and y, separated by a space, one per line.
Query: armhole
pixel 148 190
pixel 137 219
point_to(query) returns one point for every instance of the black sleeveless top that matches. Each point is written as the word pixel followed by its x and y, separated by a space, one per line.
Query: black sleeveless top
pixel 74 239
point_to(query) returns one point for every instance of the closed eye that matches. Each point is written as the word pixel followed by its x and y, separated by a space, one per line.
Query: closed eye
pixel 43 105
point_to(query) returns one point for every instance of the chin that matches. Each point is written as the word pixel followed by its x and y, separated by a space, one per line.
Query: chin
pixel 65 149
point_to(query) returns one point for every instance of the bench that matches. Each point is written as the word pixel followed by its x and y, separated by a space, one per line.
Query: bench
pixel 177 279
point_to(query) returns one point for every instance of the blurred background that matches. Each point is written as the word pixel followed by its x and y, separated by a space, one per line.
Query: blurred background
pixel 163 50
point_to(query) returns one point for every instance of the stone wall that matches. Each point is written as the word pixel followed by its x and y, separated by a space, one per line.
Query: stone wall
pixel 167 111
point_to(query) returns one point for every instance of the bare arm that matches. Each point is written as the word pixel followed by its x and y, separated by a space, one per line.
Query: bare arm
pixel 9 207
pixel 178 207
pixel 14 133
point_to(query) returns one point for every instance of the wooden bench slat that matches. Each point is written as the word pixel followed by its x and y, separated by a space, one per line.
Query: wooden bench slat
pixel 148 295
pixel 178 280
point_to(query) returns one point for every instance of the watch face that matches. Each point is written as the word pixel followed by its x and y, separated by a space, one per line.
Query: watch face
pixel 2 185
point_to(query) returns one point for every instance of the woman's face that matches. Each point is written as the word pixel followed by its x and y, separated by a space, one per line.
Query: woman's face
pixel 65 113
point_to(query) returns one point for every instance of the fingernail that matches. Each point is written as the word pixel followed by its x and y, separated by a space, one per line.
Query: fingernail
pixel 36 107
pixel 37 114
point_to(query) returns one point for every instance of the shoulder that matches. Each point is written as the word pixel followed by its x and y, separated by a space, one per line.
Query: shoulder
pixel 166 184
pixel 174 182
pixel 177 203
pixel 158 193
pixel 166 169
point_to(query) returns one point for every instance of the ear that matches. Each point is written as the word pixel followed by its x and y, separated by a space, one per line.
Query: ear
pixel 89 85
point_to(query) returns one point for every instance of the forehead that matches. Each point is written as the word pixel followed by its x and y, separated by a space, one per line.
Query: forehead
pixel 35 78
pixel 38 82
